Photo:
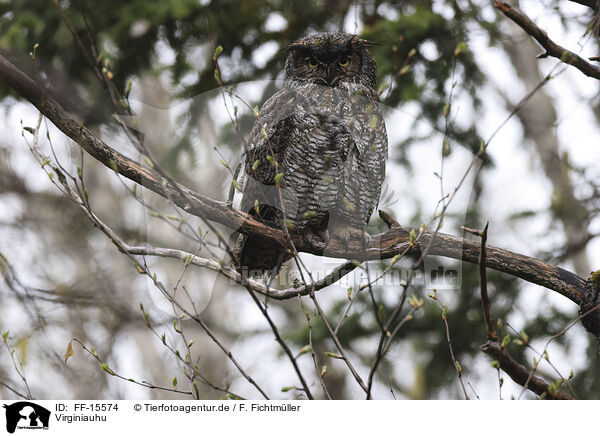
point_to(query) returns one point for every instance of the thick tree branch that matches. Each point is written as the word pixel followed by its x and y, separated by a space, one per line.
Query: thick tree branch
pixel 385 245
pixel 530 269
pixel 551 48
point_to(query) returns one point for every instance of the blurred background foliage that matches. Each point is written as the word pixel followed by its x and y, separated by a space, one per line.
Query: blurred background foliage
pixel 63 280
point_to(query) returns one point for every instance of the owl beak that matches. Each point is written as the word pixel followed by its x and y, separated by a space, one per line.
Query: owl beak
pixel 329 75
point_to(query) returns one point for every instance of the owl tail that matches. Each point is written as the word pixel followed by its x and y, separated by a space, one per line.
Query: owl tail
pixel 253 256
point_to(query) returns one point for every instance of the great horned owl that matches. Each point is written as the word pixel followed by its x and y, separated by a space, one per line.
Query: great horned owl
pixel 319 144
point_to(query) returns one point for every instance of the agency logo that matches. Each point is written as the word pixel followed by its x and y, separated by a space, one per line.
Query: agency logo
pixel 26 415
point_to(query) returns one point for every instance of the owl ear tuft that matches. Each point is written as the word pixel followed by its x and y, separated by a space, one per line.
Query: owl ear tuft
pixel 295 45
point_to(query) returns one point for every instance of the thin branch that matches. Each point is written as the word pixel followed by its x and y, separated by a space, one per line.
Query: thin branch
pixel 14 391
pixel 281 342
pixel 551 48
pixel 485 299
pixel 17 364
pixel 187 363
pixel 118 242
pixel 455 362
pixel 231 273
pixel 519 373
pixel 498 350
pixel 338 345
pixel 319 371
pixel 109 371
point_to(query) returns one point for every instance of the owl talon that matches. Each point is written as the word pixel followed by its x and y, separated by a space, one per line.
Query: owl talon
pixel 326 239
pixel 346 241
pixel 347 233
pixel 309 239
pixel 315 243
pixel 366 239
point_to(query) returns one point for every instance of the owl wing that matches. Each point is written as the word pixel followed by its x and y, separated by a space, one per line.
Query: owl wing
pixel 363 170
pixel 291 131
pixel 371 147
pixel 330 146
pixel 266 145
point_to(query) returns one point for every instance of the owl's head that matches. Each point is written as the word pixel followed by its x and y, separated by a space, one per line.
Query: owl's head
pixel 329 59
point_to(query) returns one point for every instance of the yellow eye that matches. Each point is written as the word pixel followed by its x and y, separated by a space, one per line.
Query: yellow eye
pixel 344 61
pixel 312 62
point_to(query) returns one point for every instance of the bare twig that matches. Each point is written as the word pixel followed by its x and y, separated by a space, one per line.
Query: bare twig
pixel 455 362
pixel 17 365
pixel 498 350
pixel 338 345
pixel 551 48
pixel 106 368
pixel 519 373
pixel 119 243
pixel 485 299
pixel 281 342
pixel 14 391
pixel 318 370
pixel 192 372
